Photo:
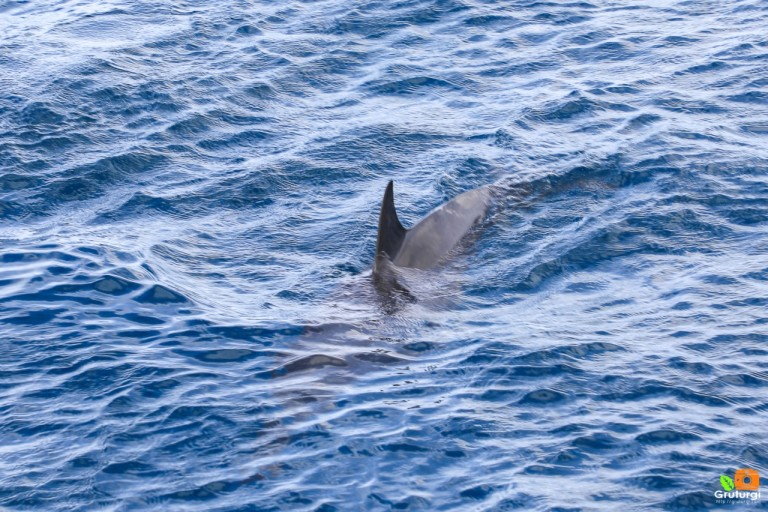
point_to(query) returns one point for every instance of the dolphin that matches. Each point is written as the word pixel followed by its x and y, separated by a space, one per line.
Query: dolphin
pixel 427 243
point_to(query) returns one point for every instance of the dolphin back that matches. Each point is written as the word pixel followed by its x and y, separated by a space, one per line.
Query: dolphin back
pixel 436 234
pixel 424 245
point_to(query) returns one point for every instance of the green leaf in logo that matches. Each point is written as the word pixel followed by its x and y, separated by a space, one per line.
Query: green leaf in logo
pixel 726 482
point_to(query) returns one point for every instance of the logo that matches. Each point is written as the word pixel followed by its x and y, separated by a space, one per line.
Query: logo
pixel 746 480
pixel 726 482
pixel 744 487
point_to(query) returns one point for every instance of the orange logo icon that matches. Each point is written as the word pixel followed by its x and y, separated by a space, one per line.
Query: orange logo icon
pixel 746 480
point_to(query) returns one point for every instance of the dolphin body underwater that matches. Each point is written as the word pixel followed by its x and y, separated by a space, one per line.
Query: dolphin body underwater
pixel 432 238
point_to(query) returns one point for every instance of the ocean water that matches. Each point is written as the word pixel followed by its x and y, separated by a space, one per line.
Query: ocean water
pixel 189 194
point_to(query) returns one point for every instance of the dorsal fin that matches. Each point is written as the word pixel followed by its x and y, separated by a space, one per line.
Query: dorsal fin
pixel 391 232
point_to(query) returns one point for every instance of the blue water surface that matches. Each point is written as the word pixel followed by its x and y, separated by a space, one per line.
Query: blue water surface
pixel 189 195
